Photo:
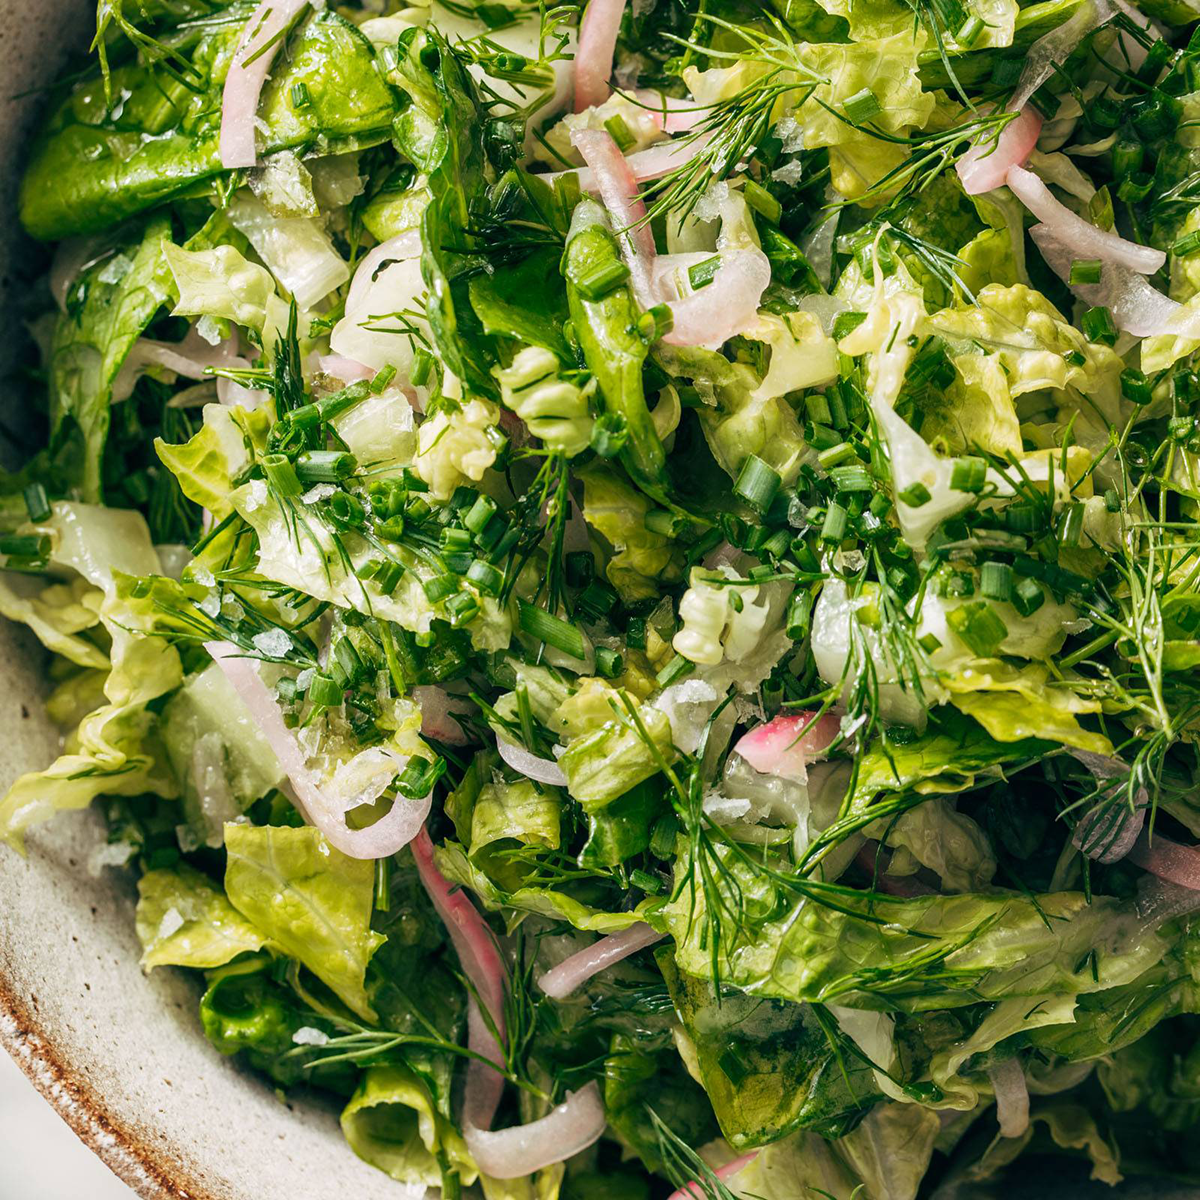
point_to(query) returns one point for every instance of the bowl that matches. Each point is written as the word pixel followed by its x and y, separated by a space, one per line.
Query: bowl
pixel 120 1055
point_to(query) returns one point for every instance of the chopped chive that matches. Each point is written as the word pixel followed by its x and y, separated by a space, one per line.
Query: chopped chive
pixel 643 881
pixel 597 599
pixel 968 474
pixel 1127 157
pixel 597 283
pixel 1135 187
pixel 916 495
pixel 551 630
pixel 763 203
pixel 996 581
pixel 852 479
pixel 439 587
pixel 837 520
pixel 383 377
pixel 1070 525
pixel 929 642
pixel 703 273
pixel 461 608
pixel 1085 271
pixel 757 483
pixel 1188 244
pixel 324 691
pixel 835 456
pixel 609 663
pixel 656 323
pixel 777 544
pixel 25 545
pixel 979 625
pixel 487 578
pixel 609 434
pixel 662 837
pixel 845 323
pixel 299 95
pixel 391 530
pixel 1028 597
pixel 281 475
pixel 674 671
pixel 1098 326
pixel 1112 501
pixel 620 132
pixel 37 504
pixel 1074 358
pixel 970 31
pixel 346 510
pixel 862 106
pixel 660 521
pixel 422 368
pixel 816 408
pixel 635 633
pixel 821 437
pixel 799 616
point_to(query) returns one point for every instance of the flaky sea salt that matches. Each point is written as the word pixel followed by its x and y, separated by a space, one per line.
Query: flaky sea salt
pixel 321 491
pixel 273 643
pixel 306 1035
pixel 171 923
pixel 256 495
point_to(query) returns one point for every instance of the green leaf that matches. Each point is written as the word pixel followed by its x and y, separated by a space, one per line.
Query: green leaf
pixel 391 1123
pixel 183 920
pixel 508 815
pixel 524 302
pixel 311 900
pixel 606 763
pixel 622 829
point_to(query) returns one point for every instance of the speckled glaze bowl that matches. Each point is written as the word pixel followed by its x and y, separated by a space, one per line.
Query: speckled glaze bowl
pixel 121 1056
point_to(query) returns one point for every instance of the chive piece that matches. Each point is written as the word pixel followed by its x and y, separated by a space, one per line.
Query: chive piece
pixel 455 540
pixel 1070 525
pixel 821 437
pixel 916 495
pixel 816 408
pixel 996 581
pixel 852 479
pixel 348 658
pixel 979 625
pixel 1188 244
pixel 836 522
pixel 703 273
pixel 835 456
pixel 643 881
pixel 383 377
pixel 479 514
pixel 968 474
pixel 1074 358
pixel 660 521
pixel 37 504
pixel 1127 157
pixel 346 511
pixel 461 609
pixel 1135 187
pixel 656 322
pixel 609 663
pixel 635 633
pixel 1028 597
pixel 662 837
pixel 845 323
pixel 25 545
pixel 281 475
pixel 1098 326
pixel 299 95
pixel 391 530
pixel 1112 500
pixel 799 616
pixel 1085 271
pixel 620 132
pixel 970 31
pixel 439 587
pixel 763 203
pixel 324 691
pixel 487 578
pixel 422 367
pixel 609 434
pixel 597 599
pixel 777 544
pixel 388 576
pixel 551 630
pixel 674 671
pixel 757 483
pixel 597 283
pixel 929 642
pixel 862 106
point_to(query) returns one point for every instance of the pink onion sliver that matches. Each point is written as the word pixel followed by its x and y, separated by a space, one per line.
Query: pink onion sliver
pixel 574 972
pixel 728 305
pixel 348 369
pixel 385 837
pixel 1167 859
pixel 1078 235
pixel 542 770
pixel 400 248
pixel 1012 1097
pixel 1109 830
pixel 480 960
pixel 618 189
pixel 244 83
pixel 696 1190
pixel 644 165
pixel 671 114
pixel 563 1132
pixel 437 714
pixel 984 167
pixel 596 50
pixel 784 746
pixel 190 358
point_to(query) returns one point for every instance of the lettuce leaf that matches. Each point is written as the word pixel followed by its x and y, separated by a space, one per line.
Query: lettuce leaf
pixel 312 901
pixel 606 763
pixel 183 920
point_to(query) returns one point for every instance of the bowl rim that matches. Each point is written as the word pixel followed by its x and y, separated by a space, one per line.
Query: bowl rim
pixel 148 1170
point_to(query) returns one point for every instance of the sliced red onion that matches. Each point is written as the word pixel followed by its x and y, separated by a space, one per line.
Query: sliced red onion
pixel 671 114
pixel 260 42
pixel 190 358
pixel 388 835
pixel 597 48
pixel 1136 306
pixel 697 1191
pixel 1167 859
pixel 711 316
pixel 563 1132
pixel 1082 238
pixel 618 189
pixel 400 248
pixel 481 962
pixel 1012 1097
pixel 1108 832
pixel 983 168
pixel 543 770
pixel 437 715
pixel 784 746
pixel 571 974
pixel 349 370
pixel 1054 48
pixel 652 163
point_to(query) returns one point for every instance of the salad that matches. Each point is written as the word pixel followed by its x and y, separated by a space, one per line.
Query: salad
pixel 628 580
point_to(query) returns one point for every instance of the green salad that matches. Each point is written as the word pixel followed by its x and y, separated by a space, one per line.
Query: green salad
pixel 627 576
